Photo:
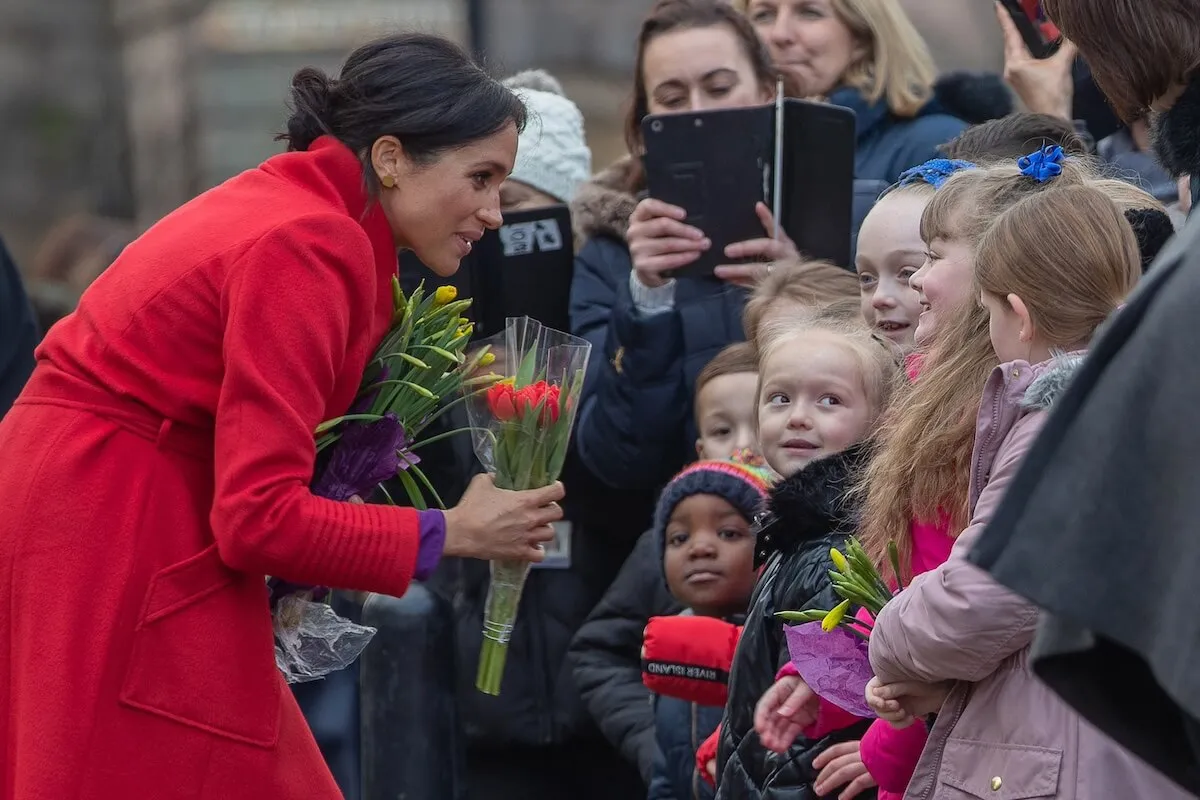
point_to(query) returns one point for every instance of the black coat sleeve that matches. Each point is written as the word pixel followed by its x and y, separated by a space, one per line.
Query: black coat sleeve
pixel 606 655
pixel 18 333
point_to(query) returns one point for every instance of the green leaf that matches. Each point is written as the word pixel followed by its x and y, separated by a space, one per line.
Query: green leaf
pixel 330 424
pixel 410 488
pixel 526 370
pixel 801 616
pixel 455 358
pixel 428 486
pixel 416 362
pixel 387 495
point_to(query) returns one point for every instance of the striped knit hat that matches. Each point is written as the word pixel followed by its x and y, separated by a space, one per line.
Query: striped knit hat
pixel 744 486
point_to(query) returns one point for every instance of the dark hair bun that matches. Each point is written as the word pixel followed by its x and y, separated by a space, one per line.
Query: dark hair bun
pixel 312 94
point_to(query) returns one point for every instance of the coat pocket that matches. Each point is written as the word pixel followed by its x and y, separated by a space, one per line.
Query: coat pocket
pixel 203 652
pixel 998 771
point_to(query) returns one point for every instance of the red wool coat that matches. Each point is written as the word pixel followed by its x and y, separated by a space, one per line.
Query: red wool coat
pixel 156 467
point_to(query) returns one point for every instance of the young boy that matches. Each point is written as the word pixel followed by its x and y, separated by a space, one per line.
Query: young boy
pixel 703 524
pixel 725 407
pixel 606 652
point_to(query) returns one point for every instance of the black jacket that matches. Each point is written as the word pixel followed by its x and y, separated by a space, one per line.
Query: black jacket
pixel 606 654
pixel 807 515
pixel 18 332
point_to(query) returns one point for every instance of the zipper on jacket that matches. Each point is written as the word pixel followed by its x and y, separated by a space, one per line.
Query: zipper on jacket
pixel 695 740
pixel 956 715
pixel 976 488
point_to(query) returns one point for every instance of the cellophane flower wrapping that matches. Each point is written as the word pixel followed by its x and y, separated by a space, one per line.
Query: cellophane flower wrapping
pixel 521 427
pixel 835 664
pixel 420 364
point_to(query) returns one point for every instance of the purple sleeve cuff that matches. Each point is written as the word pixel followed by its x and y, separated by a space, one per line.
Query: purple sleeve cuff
pixel 432 527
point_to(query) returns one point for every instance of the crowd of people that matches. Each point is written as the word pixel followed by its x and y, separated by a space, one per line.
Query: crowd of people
pixel 940 399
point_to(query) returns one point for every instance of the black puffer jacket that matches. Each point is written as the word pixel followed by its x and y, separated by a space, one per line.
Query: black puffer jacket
pixel 807 515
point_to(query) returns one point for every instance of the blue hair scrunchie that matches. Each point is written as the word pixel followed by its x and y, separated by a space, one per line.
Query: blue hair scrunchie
pixel 935 172
pixel 1043 164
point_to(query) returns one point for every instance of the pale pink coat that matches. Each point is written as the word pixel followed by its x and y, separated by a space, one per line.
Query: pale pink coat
pixel 1001 733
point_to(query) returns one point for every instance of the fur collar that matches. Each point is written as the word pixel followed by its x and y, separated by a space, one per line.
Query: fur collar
pixel 1049 385
pixel 813 503
pixel 603 205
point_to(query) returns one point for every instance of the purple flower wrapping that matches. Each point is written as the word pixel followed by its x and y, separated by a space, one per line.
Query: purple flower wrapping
pixel 835 665
pixel 364 457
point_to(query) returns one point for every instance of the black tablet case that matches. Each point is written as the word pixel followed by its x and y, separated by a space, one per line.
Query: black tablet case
pixel 522 269
pixel 718 164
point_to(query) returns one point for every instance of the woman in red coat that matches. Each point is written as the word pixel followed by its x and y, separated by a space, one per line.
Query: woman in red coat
pixel 157 464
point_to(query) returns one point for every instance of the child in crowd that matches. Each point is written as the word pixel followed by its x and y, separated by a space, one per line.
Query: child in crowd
pixel 794 287
pixel 703 527
pixel 1048 271
pixel 725 404
pixel 823 383
pixel 605 653
pixel 823 379
pixel 932 423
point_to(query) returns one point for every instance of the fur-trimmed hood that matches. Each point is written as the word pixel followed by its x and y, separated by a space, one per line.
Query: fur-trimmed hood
pixel 1051 382
pixel 603 205
pixel 811 504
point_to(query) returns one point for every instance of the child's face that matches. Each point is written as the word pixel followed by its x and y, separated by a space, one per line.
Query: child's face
pixel 813 402
pixel 1011 330
pixel 944 282
pixel 709 556
pixel 725 410
pixel 890 251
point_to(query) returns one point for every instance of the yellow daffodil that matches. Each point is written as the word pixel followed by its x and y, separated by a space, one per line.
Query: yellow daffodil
pixel 834 617
pixel 839 561
pixel 444 294
pixel 487 360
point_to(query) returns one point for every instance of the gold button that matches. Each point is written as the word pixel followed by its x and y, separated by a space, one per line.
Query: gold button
pixel 996 783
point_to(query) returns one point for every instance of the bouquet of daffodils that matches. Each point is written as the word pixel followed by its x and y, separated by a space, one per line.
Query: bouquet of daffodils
pixel 829 647
pixel 420 363
pixel 522 426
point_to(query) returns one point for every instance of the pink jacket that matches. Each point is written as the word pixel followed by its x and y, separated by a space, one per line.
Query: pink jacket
pixel 891 755
pixel 1001 733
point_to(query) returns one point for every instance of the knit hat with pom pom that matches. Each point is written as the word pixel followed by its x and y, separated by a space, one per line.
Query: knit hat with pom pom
pixel 552 153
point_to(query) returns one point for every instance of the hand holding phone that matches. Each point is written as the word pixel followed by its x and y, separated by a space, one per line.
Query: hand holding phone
pixel 1045 85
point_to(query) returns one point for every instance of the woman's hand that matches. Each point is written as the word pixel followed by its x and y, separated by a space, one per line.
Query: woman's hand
pixel 900 704
pixel 842 765
pixel 490 523
pixel 1044 85
pixel 660 241
pixel 786 709
pixel 767 249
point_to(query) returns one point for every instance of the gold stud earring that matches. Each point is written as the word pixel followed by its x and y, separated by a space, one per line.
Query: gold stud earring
pixel 388 182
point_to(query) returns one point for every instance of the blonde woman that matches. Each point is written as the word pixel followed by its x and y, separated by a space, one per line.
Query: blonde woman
pixel 866 55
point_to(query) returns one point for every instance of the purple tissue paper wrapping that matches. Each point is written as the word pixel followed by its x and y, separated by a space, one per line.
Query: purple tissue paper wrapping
pixel 835 665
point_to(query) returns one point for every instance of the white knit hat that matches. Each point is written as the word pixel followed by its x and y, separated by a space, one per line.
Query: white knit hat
pixel 552 154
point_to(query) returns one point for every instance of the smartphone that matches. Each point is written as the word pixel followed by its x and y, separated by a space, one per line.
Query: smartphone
pixel 1041 35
